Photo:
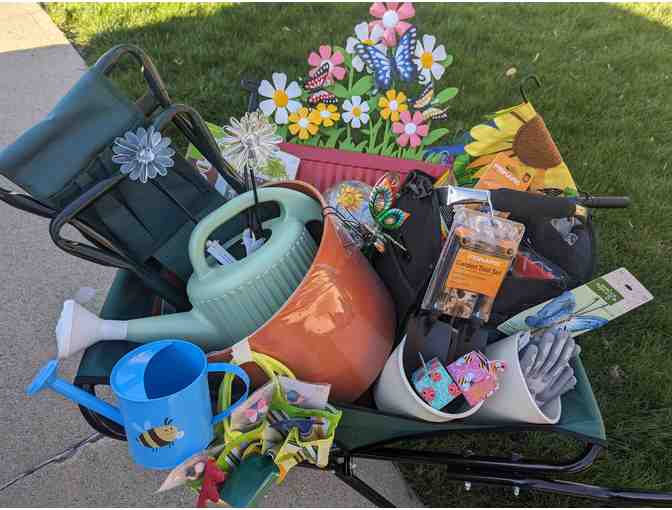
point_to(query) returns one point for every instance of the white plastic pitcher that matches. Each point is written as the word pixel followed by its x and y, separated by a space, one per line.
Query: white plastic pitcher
pixel 394 393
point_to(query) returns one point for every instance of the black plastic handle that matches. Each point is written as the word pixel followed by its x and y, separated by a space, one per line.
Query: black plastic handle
pixel 604 202
pixel 530 205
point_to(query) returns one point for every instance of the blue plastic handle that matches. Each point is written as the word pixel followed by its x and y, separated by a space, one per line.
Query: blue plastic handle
pixel 238 372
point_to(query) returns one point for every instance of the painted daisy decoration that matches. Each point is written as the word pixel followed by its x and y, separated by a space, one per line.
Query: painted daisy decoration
pixel 143 154
pixel 355 112
pixel 281 97
pixel 429 57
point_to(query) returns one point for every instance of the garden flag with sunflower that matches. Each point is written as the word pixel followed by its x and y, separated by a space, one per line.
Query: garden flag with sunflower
pixel 520 133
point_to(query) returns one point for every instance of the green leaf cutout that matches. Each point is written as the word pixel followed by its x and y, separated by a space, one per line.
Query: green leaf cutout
pixel 445 95
pixel 333 137
pixel 281 131
pixel 313 140
pixel 339 91
pixel 362 86
pixel 435 135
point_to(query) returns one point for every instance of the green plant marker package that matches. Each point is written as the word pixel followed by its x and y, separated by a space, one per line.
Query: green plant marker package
pixel 585 308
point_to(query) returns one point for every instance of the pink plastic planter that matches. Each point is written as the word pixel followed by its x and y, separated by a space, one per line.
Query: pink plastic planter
pixel 323 168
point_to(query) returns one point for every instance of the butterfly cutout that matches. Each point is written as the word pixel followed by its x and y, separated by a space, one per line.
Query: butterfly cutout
pixel 316 83
pixel 381 201
pixel 386 68
pixel 434 113
pixel 424 99
pixel 423 103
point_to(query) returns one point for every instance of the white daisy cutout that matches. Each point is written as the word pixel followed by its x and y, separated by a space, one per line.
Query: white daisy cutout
pixel 281 98
pixel 355 112
pixel 364 35
pixel 428 58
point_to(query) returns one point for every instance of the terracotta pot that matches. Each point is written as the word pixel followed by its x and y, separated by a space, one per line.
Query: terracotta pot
pixel 338 325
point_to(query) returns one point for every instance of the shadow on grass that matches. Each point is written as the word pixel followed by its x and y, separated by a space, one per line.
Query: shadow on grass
pixel 605 97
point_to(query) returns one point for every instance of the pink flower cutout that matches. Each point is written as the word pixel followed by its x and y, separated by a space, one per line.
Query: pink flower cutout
pixel 391 19
pixel 410 129
pixel 335 60
pixel 436 376
pixel 428 394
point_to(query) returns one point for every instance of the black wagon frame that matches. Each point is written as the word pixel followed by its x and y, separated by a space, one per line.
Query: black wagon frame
pixel 514 473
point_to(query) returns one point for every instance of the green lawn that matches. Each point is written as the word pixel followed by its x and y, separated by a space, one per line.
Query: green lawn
pixel 606 98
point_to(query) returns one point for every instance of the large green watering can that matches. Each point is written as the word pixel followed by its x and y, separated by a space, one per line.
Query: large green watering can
pixel 229 301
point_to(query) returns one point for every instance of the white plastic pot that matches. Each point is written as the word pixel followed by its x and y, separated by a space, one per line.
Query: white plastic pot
pixel 513 402
pixel 394 393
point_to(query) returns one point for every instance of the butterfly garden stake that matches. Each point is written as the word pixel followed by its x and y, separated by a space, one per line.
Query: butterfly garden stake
pixel 387 217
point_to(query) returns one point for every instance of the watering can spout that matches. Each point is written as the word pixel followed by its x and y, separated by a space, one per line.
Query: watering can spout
pixel 47 378
pixel 78 329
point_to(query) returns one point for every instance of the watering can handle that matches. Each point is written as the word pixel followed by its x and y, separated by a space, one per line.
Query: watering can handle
pixel 288 200
pixel 238 372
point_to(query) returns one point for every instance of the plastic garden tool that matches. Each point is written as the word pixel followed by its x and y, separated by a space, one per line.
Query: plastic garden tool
pixel 249 481
pixel 164 401
pixel 229 301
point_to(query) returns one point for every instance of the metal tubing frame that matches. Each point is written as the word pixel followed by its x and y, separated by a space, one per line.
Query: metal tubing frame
pixel 516 474
pixel 511 476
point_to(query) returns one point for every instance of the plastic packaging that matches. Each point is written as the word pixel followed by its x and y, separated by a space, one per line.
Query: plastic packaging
pixel 473 263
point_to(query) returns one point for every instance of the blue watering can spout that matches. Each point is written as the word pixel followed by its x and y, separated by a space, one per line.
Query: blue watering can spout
pixel 47 378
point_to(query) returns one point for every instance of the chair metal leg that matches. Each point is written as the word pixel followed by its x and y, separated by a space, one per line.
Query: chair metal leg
pixel 343 470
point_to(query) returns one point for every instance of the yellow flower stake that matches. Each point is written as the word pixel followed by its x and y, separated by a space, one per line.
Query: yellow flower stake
pixel 302 125
pixel 392 104
pixel 324 115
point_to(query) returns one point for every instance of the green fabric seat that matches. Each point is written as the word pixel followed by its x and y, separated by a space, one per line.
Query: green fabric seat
pixel 64 163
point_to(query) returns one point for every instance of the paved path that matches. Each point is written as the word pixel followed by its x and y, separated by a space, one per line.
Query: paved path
pixel 37 66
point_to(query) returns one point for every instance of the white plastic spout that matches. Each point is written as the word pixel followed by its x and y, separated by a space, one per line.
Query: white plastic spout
pixel 78 329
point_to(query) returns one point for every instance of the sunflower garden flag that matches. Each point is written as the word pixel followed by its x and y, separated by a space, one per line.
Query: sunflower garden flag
pixel 520 133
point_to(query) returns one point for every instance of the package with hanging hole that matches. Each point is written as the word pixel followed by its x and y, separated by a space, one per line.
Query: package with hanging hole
pixel 473 263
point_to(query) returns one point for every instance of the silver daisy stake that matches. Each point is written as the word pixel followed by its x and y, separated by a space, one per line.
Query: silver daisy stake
pixel 144 154
pixel 250 143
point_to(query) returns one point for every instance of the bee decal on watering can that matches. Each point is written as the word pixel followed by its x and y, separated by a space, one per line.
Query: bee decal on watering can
pixel 158 437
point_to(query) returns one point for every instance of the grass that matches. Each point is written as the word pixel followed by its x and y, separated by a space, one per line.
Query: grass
pixel 605 97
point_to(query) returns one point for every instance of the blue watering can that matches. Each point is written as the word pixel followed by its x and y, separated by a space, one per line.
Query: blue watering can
pixel 164 400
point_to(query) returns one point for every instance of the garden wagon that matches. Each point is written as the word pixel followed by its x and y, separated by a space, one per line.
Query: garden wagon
pixel 364 432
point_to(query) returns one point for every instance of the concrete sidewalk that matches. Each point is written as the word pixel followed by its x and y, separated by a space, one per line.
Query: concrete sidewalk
pixel 38 66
